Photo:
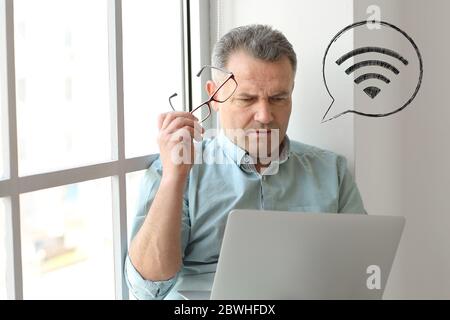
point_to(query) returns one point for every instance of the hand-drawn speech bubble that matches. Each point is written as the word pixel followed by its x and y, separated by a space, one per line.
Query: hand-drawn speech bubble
pixel 385 70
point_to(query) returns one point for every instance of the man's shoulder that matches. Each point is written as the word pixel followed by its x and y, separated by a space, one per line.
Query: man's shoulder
pixel 154 167
pixel 304 150
pixel 154 161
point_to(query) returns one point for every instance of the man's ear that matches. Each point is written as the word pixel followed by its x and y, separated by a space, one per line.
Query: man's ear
pixel 210 88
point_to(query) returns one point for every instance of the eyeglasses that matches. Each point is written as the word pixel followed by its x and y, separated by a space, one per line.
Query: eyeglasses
pixel 222 93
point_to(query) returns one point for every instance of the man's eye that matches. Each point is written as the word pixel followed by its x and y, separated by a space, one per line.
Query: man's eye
pixel 244 101
pixel 279 100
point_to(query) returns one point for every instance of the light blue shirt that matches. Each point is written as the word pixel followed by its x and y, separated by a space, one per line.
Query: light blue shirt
pixel 304 179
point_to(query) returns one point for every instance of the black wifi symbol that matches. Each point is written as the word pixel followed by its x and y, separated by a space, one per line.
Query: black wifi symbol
pixel 371 91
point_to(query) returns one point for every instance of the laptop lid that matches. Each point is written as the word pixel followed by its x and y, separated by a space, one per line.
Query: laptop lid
pixel 195 294
pixel 292 255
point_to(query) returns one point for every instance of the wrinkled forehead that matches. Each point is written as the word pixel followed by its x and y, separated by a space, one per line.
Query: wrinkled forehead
pixel 255 74
pixel 244 64
pixel 268 86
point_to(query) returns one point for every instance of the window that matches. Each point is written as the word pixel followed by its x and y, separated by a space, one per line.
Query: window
pixel 134 181
pixel 152 69
pixel 62 84
pixel 3 115
pixel 78 145
pixel 3 157
pixel 67 238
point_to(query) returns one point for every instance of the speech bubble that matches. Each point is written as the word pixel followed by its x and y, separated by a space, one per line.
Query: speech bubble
pixel 385 70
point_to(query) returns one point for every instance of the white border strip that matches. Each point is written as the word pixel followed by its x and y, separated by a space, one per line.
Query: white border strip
pixel 14 279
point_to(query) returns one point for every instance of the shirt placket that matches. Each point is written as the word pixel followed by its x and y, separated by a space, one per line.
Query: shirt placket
pixel 251 169
pixel 265 193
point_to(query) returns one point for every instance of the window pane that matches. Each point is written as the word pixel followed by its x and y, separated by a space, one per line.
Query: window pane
pixel 3 151
pixel 2 147
pixel 3 114
pixel 67 242
pixel 134 180
pixel 62 83
pixel 152 69
pixel 2 250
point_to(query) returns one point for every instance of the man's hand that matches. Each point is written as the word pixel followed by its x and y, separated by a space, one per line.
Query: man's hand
pixel 176 131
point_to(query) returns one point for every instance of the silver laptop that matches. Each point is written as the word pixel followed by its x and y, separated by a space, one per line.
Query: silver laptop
pixel 292 255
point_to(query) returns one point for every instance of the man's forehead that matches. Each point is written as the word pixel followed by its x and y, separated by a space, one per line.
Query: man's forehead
pixel 249 68
pixel 244 55
pixel 246 67
pixel 253 84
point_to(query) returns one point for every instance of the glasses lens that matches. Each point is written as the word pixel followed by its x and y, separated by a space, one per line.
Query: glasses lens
pixel 225 90
pixel 202 112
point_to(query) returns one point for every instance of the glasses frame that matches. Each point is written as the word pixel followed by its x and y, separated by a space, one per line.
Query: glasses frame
pixel 211 97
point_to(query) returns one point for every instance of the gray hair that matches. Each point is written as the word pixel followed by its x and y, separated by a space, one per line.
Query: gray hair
pixel 261 41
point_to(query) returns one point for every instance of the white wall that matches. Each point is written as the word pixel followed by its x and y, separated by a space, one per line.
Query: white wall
pixel 309 26
pixel 402 162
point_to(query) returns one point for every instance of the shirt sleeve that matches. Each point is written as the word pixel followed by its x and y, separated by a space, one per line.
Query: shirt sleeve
pixel 142 288
pixel 350 200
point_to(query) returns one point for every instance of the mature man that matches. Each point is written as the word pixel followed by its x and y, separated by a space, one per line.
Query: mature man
pixel 183 207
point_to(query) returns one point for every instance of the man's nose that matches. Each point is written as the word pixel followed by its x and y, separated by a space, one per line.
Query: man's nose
pixel 263 113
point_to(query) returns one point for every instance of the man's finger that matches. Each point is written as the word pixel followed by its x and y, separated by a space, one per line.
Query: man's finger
pixel 161 118
pixel 178 123
pixel 198 131
pixel 183 134
pixel 170 116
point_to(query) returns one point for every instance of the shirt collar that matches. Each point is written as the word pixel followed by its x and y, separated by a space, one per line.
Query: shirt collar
pixel 241 157
pixel 231 150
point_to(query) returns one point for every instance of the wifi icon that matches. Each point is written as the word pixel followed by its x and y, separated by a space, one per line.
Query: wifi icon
pixel 372 91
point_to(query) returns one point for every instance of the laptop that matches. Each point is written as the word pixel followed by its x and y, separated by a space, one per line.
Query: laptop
pixel 292 255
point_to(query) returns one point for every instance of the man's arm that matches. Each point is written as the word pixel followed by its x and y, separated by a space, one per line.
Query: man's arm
pixel 156 249
pixel 141 287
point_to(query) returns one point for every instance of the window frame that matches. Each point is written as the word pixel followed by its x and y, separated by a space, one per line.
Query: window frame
pixel 13 186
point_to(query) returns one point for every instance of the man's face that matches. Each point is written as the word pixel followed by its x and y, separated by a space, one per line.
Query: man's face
pixel 261 103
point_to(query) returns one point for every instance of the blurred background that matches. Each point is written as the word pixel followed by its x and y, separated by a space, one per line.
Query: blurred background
pixel 64 121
